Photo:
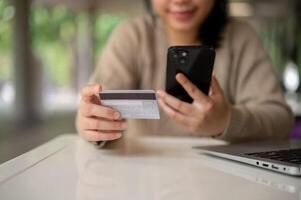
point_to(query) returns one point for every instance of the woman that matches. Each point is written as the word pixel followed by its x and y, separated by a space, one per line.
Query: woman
pixel 245 101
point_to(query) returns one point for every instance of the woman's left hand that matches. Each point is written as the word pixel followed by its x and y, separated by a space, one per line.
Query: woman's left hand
pixel 205 116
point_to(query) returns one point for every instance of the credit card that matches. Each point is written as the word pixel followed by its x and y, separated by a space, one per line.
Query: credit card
pixel 132 104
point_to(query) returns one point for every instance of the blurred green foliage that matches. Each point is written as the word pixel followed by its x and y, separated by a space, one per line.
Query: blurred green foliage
pixel 273 37
pixel 103 28
pixel 53 31
pixel 6 15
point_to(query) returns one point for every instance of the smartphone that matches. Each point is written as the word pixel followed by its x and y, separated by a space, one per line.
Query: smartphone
pixel 195 62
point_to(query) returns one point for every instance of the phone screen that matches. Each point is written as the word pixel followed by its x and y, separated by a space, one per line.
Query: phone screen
pixel 195 62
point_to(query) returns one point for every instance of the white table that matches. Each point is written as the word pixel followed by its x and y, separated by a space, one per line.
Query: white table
pixel 137 169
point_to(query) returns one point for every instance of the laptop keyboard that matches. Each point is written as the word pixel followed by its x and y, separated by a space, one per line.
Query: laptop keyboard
pixel 290 155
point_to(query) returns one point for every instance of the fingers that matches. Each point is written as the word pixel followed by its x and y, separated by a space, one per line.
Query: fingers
pixel 175 103
pixel 103 125
pixel 88 92
pixel 94 136
pixel 190 88
pixel 173 114
pixel 92 129
pixel 96 122
pixel 94 110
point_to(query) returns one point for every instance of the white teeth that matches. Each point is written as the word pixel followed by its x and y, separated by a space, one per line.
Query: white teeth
pixel 180 10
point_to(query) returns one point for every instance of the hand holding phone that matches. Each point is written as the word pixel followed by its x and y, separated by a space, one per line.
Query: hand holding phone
pixel 205 116
pixel 186 100
pixel 195 62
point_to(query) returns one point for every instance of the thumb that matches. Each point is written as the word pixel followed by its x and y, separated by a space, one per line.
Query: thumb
pixel 88 93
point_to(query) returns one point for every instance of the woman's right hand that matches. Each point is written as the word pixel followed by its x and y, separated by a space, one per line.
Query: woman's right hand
pixel 96 122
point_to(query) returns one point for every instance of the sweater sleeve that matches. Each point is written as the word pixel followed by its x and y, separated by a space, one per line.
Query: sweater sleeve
pixel 258 110
pixel 116 68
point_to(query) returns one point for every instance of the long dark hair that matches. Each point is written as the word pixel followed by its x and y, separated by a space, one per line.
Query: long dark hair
pixel 210 32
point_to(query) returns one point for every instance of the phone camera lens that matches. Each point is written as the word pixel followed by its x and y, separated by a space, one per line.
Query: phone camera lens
pixel 175 54
pixel 184 54
pixel 183 61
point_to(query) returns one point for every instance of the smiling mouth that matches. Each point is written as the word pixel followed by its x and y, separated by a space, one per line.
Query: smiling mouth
pixel 182 15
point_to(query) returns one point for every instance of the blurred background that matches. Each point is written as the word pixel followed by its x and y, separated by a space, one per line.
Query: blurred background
pixel 48 49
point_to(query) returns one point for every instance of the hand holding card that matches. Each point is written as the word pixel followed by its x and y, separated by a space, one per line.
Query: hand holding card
pixel 96 122
pixel 132 104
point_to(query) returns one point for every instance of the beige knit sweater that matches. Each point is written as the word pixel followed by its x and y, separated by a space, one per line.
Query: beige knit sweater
pixel 135 58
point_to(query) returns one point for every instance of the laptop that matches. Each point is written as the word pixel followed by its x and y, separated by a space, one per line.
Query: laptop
pixel 279 156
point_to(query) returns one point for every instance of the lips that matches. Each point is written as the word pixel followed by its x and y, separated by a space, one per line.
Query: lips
pixel 182 15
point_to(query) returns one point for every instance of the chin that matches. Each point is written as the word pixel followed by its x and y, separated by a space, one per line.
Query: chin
pixel 180 26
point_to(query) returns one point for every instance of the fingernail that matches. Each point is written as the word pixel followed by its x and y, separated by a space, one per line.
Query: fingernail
pixel 98 88
pixel 159 93
pixel 179 75
pixel 118 135
pixel 116 115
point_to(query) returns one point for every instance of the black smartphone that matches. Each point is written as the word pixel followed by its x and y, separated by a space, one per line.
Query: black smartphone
pixel 195 62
